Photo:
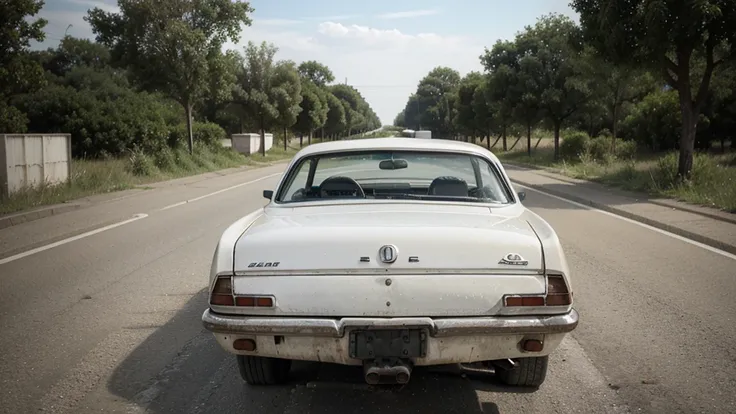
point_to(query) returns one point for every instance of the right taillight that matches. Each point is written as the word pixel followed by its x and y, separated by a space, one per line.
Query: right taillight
pixel 222 292
pixel 558 293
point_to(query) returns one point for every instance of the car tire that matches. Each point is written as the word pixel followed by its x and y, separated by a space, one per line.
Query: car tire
pixel 529 372
pixel 263 371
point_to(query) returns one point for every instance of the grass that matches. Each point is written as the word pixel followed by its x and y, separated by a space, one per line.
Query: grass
pixel 713 182
pixel 89 177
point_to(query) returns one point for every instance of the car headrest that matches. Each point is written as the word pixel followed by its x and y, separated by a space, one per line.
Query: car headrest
pixel 448 186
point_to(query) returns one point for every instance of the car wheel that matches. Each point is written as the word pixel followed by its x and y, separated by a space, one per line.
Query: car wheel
pixel 529 372
pixel 263 371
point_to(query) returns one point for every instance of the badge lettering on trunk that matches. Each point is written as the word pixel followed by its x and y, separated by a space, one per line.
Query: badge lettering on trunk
pixel 388 253
pixel 264 264
pixel 513 259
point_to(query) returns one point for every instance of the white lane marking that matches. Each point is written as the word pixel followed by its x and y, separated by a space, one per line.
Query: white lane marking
pixel 71 239
pixel 181 203
pixel 638 223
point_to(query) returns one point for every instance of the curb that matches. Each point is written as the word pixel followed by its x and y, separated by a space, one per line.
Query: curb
pixel 623 213
pixel 15 219
pixel 674 204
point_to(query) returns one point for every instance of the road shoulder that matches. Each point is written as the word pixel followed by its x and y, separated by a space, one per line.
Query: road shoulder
pixel 708 226
pixel 20 217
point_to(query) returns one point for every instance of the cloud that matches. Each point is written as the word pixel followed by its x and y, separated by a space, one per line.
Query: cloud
pixel 385 65
pixel 409 14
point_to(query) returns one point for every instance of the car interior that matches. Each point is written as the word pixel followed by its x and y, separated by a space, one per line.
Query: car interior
pixel 444 187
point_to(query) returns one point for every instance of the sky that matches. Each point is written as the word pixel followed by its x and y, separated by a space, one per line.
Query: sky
pixel 381 47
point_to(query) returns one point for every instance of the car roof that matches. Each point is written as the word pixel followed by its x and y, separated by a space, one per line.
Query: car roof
pixel 395 143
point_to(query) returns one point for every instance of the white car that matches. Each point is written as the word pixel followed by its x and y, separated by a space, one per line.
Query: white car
pixel 391 253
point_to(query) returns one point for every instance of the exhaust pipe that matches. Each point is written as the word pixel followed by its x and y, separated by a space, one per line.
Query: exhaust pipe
pixel 376 373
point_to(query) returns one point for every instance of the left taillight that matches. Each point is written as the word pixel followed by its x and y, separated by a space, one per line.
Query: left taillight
pixel 222 292
pixel 223 295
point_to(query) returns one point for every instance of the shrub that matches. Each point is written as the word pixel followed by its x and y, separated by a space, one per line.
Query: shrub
pixel 100 111
pixel 599 148
pixel 626 149
pixel 208 133
pixel 574 144
pixel 654 122
pixel 165 159
pixel 141 164
pixel 184 160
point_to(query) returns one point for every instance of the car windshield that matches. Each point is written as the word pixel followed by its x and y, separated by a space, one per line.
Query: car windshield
pixel 415 175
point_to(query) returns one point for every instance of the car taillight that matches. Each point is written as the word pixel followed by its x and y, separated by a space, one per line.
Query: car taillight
pixel 254 301
pixel 222 295
pixel 222 292
pixel 524 301
pixel 558 294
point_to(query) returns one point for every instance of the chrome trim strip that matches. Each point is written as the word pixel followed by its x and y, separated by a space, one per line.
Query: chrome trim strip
pixel 323 327
pixel 388 270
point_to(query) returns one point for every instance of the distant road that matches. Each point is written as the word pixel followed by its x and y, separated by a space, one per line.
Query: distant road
pixel 108 318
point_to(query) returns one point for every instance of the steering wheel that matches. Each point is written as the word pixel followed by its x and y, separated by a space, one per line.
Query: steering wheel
pixel 339 186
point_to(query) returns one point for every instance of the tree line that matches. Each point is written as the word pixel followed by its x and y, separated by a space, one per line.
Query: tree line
pixel 660 74
pixel 156 75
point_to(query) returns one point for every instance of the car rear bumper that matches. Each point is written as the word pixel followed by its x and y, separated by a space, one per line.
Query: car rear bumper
pixel 448 340
pixel 335 328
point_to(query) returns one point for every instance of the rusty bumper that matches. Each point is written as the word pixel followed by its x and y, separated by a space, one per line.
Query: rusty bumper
pixel 437 327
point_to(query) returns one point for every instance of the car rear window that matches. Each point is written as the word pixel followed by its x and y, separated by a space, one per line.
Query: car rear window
pixel 416 175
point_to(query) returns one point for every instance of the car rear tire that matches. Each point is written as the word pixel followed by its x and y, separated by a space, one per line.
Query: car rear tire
pixel 263 371
pixel 529 372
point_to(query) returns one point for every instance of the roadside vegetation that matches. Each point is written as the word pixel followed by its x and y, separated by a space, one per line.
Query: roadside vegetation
pixel 712 183
pixel 631 99
pixel 99 176
pixel 143 105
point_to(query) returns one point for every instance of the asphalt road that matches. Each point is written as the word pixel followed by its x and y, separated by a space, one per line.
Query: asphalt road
pixel 110 321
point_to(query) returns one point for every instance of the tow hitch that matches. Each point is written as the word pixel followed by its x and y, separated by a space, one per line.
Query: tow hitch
pixel 386 371
pixel 387 353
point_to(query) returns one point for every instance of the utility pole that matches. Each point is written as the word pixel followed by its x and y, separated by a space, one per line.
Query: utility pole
pixel 346 80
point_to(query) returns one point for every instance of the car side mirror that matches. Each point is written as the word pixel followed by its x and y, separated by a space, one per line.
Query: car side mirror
pixel 268 194
pixel 522 195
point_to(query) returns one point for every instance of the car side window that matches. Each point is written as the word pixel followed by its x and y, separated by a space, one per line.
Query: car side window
pixel 296 187
pixel 491 187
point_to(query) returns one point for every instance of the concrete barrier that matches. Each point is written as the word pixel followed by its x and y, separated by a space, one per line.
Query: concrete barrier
pixel 27 160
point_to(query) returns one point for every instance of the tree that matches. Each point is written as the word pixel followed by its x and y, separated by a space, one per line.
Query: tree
pixel 170 45
pixel 222 83
pixel 465 118
pixel 316 72
pixel 266 86
pixel 483 109
pixel 19 73
pixel 350 99
pixel 287 95
pixel 314 109
pixel 336 122
pixel 400 119
pixel 551 50
pixel 499 99
pixel 435 96
pixel 620 85
pixel 74 52
pixel 411 113
pixel 666 36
